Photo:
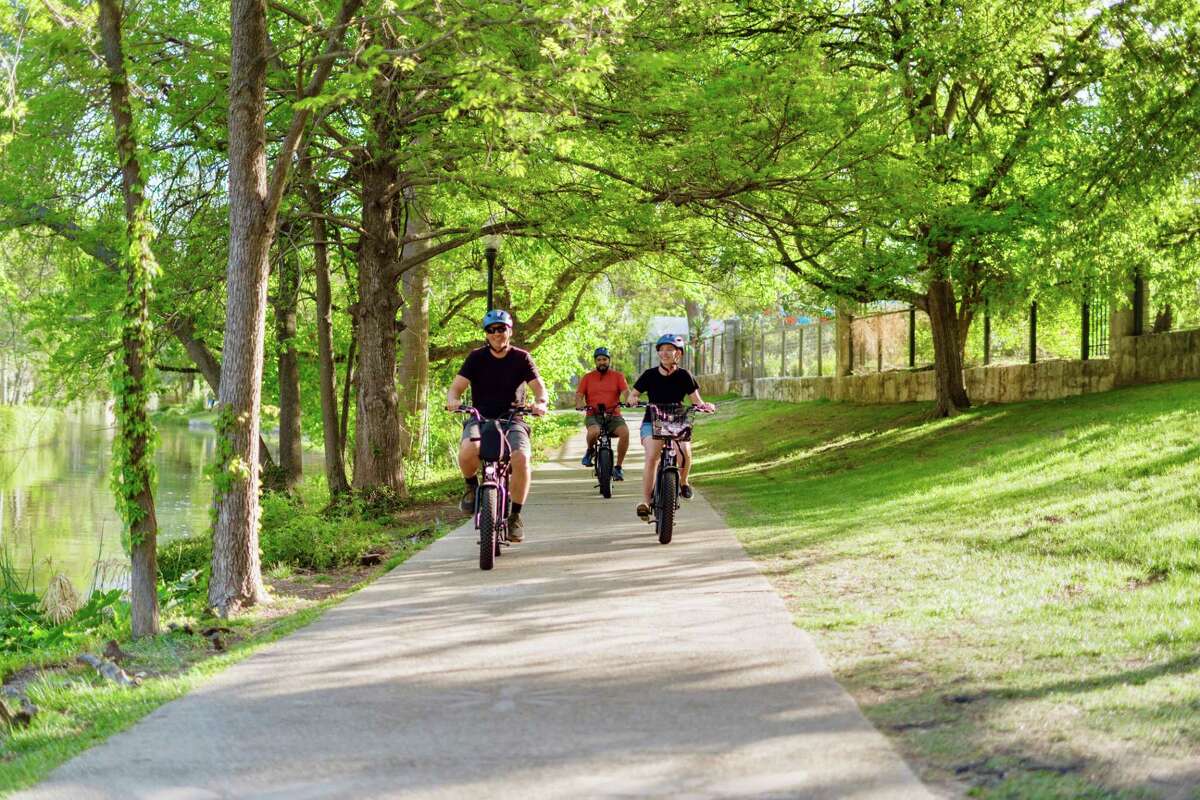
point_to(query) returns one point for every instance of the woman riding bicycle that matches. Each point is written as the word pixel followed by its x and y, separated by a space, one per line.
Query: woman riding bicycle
pixel 666 384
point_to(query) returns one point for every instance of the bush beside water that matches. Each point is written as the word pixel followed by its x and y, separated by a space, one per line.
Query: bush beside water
pixel 28 426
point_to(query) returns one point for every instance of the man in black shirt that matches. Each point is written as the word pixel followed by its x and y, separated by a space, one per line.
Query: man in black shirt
pixel 666 384
pixel 495 373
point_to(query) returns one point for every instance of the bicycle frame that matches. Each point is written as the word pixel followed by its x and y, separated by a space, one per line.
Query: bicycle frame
pixel 495 474
pixel 604 440
pixel 666 463
pixel 667 459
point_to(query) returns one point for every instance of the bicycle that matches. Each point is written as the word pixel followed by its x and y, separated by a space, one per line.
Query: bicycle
pixel 671 424
pixel 492 501
pixel 602 464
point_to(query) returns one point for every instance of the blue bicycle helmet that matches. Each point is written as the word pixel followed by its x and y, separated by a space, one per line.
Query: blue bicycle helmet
pixel 497 317
pixel 602 351
pixel 669 338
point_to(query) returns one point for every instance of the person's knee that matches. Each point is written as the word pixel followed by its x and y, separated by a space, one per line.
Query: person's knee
pixel 520 461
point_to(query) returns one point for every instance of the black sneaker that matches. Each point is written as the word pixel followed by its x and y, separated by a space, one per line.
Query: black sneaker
pixel 686 491
pixel 516 528
pixel 618 475
pixel 467 504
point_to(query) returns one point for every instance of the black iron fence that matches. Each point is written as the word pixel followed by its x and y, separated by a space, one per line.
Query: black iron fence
pixel 889 336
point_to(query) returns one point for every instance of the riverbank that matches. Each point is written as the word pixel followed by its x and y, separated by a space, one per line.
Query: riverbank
pixel 1010 595
pixel 23 427
pixel 313 557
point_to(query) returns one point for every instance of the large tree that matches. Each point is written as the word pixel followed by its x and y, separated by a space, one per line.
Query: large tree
pixel 925 152
pixel 254 199
pixel 133 470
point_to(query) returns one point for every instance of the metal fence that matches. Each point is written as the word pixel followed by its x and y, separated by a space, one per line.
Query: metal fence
pixel 758 348
pixel 890 336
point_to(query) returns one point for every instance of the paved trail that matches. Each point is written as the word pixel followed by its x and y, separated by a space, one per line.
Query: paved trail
pixel 591 663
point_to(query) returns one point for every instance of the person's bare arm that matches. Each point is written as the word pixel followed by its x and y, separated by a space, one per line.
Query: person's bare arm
pixel 454 395
pixel 541 402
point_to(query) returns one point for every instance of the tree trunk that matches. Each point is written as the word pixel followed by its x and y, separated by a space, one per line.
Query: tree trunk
pixel 291 448
pixel 947 349
pixel 236 579
pixel 378 462
pixel 414 339
pixel 133 447
pixel 347 386
pixel 335 465
pixel 1163 320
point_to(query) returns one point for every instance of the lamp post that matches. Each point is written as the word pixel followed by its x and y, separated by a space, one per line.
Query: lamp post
pixel 491 246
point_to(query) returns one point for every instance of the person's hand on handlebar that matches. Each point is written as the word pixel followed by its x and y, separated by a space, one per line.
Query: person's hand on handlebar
pixel 707 408
pixel 540 407
pixel 453 403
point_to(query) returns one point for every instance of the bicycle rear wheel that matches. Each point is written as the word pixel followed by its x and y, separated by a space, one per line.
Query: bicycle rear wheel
pixel 604 465
pixel 664 511
pixel 488 541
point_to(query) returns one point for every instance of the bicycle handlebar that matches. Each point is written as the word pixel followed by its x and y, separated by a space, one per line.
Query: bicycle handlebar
pixel 514 410
pixel 676 407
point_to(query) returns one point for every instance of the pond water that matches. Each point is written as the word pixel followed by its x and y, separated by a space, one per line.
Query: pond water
pixel 57 512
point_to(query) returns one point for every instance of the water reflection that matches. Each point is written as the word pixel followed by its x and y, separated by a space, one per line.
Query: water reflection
pixel 56 510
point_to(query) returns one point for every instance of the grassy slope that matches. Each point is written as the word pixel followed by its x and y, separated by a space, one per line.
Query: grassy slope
pixel 1012 593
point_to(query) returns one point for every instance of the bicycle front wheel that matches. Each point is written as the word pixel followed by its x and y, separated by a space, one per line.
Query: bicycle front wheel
pixel 604 467
pixel 488 540
pixel 664 510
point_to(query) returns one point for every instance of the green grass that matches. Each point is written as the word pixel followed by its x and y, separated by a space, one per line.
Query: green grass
pixel 1011 594
pixel 78 710
pixel 183 417
pixel 551 431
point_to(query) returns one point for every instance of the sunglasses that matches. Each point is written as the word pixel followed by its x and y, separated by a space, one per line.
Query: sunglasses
pixel 496 329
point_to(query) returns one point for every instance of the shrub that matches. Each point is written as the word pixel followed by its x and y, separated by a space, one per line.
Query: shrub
pixel 295 535
pixel 177 558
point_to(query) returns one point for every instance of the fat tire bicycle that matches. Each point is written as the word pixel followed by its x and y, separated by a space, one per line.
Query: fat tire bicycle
pixel 492 499
pixel 671 424
pixel 602 462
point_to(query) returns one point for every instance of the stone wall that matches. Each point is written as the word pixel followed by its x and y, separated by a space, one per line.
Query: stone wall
pixel 1157 357
pixel 713 385
pixel 1151 358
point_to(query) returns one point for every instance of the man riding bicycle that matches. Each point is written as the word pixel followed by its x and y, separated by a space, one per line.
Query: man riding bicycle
pixel 666 384
pixel 495 373
pixel 606 387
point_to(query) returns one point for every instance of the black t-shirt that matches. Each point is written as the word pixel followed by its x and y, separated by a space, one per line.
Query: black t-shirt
pixel 494 381
pixel 665 389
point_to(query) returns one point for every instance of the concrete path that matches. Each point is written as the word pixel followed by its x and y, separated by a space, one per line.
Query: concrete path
pixel 591 663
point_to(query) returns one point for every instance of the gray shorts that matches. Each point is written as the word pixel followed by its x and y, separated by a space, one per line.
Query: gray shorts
pixel 516 432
